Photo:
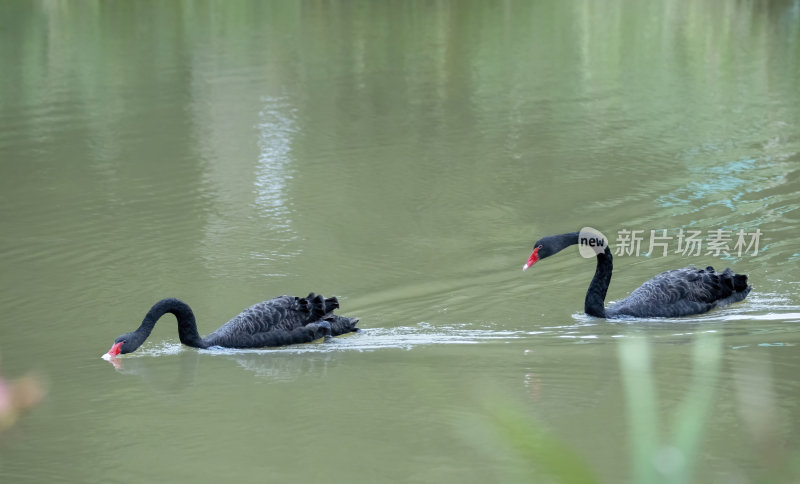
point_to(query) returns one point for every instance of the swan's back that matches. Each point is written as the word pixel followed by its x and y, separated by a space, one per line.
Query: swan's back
pixel 681 292
pixel 281 320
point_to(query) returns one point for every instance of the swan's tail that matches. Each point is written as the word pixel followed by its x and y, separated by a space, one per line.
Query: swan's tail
pixel 342 324
pixel 322 308
pixel 317 305
pixel 736 284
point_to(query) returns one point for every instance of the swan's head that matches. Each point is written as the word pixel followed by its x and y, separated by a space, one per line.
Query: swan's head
pixel 547 246
pixel 126 343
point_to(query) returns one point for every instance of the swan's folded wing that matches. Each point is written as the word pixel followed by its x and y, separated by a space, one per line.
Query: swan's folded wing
pixel 690 284
pixel 672 293
pixel 681 292
pixel 707 285
pixel 281 320
pixel 284 313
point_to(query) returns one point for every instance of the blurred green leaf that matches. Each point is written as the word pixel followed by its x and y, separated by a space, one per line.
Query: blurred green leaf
pixel 545 452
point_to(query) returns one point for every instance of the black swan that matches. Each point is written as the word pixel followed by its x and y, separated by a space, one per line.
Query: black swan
pixel 280 321
pixel 679 292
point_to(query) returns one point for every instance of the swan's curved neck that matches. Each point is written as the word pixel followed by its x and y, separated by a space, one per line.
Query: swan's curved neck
pixel 187 326
pixel 596 295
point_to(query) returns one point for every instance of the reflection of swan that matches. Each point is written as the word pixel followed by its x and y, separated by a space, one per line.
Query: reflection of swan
pixel 287 363
pixel 284 367
pixel 271 365
pixel 163 380
pixel 679 292
pixel 280 321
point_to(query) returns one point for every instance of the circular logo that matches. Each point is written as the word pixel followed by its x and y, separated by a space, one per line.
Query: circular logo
pixel 591 242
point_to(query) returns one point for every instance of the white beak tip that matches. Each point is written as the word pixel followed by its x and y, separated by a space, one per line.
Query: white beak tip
pixel 525 267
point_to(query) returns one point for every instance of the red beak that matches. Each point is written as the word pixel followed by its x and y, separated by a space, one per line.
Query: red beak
pixel 532 259
pixel 114 351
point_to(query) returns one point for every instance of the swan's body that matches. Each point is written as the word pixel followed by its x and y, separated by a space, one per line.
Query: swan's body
pixel 280 321
pixel 679 292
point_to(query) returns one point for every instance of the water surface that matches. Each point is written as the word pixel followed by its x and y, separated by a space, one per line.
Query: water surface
pixel 403 157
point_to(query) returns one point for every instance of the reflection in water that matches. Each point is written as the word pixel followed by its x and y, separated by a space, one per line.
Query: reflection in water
pixel 286 363
pixel 144 369
pixel 409 151
pixel 284 367
pixel 402 337
pixel 273 366
pixel 275 131
pixel 734 185
pixel 759 411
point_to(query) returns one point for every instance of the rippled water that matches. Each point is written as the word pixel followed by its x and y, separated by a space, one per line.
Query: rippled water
pixel 403 157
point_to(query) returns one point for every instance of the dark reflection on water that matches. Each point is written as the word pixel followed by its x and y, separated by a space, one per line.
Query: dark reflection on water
pixel 183 378
pixel 288 363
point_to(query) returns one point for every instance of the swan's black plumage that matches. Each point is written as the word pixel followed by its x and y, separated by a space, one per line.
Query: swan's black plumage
pixel 679 292
pixel 280 321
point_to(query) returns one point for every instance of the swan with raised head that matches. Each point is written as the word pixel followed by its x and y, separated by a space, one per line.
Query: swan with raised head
pixel 679 292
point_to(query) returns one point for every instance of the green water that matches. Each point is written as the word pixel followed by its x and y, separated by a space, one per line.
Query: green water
pixel 402 156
